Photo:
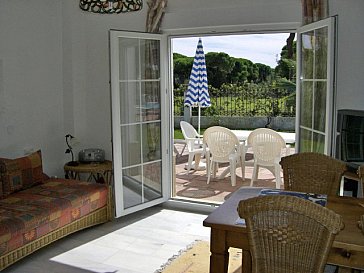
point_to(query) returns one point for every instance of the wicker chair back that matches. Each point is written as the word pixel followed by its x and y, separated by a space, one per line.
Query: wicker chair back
pixel 312 172
pixel 288 234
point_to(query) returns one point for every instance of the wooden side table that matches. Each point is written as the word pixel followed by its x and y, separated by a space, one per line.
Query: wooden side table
pixel 98 172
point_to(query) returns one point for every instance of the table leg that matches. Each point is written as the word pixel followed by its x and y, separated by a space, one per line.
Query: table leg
pixel 219 259
pixel 107 177
pixel 72 175
pixel 247 262
pixel 89 179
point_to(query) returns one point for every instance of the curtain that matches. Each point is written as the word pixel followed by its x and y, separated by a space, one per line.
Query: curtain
pixel 314 10
pixel 156 9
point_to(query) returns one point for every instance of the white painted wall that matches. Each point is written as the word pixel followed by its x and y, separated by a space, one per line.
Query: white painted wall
pixel 350 68
pixel 54 63
pixel 87 76
pixel 31 102
pixel 252 14
pixel 54 77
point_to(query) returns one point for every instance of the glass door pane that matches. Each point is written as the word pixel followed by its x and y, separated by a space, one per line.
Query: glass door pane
pixel 138 140
pixel 315 87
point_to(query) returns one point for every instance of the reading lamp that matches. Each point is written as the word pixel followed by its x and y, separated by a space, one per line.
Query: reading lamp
pixel 69 150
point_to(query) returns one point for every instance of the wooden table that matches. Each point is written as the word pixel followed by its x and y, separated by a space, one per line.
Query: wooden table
pixel 347 250
pixel 98 172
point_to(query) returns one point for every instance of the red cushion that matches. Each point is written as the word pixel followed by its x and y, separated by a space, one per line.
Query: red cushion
pixel 21 173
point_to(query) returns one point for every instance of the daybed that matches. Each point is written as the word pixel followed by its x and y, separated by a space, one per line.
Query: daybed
pixel 36 210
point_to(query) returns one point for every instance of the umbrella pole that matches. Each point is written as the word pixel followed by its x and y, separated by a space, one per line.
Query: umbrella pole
pixel 199 119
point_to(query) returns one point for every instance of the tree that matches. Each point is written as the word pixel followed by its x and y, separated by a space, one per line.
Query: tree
pixel 253 73
pixel 239 73
pixel 291 46
pixel 182 66
pixel 265 72
pixel 219 67
pixel 286 67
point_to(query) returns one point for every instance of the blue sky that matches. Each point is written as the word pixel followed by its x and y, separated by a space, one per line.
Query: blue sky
pixel 259 48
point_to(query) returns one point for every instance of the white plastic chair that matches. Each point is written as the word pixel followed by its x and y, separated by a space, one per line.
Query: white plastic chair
pixel 267 147
pixel 224 146
pixel 193 143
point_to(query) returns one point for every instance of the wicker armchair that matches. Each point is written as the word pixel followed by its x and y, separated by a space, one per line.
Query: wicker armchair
pixel 312 172
pixel 288 234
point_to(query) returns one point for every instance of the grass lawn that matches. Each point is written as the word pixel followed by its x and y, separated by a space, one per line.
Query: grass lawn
pixel 178 133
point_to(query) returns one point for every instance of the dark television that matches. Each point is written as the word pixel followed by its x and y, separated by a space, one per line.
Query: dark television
pixel 350 144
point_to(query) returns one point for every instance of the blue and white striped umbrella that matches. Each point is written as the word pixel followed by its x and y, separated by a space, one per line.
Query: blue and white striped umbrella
pixel 197 94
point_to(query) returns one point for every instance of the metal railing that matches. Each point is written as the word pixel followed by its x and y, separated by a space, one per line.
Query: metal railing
pixel 247 100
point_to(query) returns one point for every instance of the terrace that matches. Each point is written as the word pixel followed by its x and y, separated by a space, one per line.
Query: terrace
pixel 233 106
pixel 193 186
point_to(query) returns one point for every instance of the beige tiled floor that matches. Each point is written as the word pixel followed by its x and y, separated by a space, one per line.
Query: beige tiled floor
pixel 137 243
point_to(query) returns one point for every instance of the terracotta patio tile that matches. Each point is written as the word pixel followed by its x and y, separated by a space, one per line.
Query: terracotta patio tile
pixel 194 186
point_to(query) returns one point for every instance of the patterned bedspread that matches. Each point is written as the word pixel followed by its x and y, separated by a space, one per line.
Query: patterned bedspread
pixel 31 213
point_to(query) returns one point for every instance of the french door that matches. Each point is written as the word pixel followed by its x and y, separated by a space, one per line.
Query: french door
pixel 315 86
pixel 139 125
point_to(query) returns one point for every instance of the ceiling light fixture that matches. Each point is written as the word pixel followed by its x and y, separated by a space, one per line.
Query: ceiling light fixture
pixel 111 6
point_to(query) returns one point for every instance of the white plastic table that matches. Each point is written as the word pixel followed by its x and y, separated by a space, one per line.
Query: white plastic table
pixel 289 138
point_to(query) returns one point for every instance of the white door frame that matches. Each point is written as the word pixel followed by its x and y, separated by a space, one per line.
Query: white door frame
pixel 330 94
pixel 166 155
